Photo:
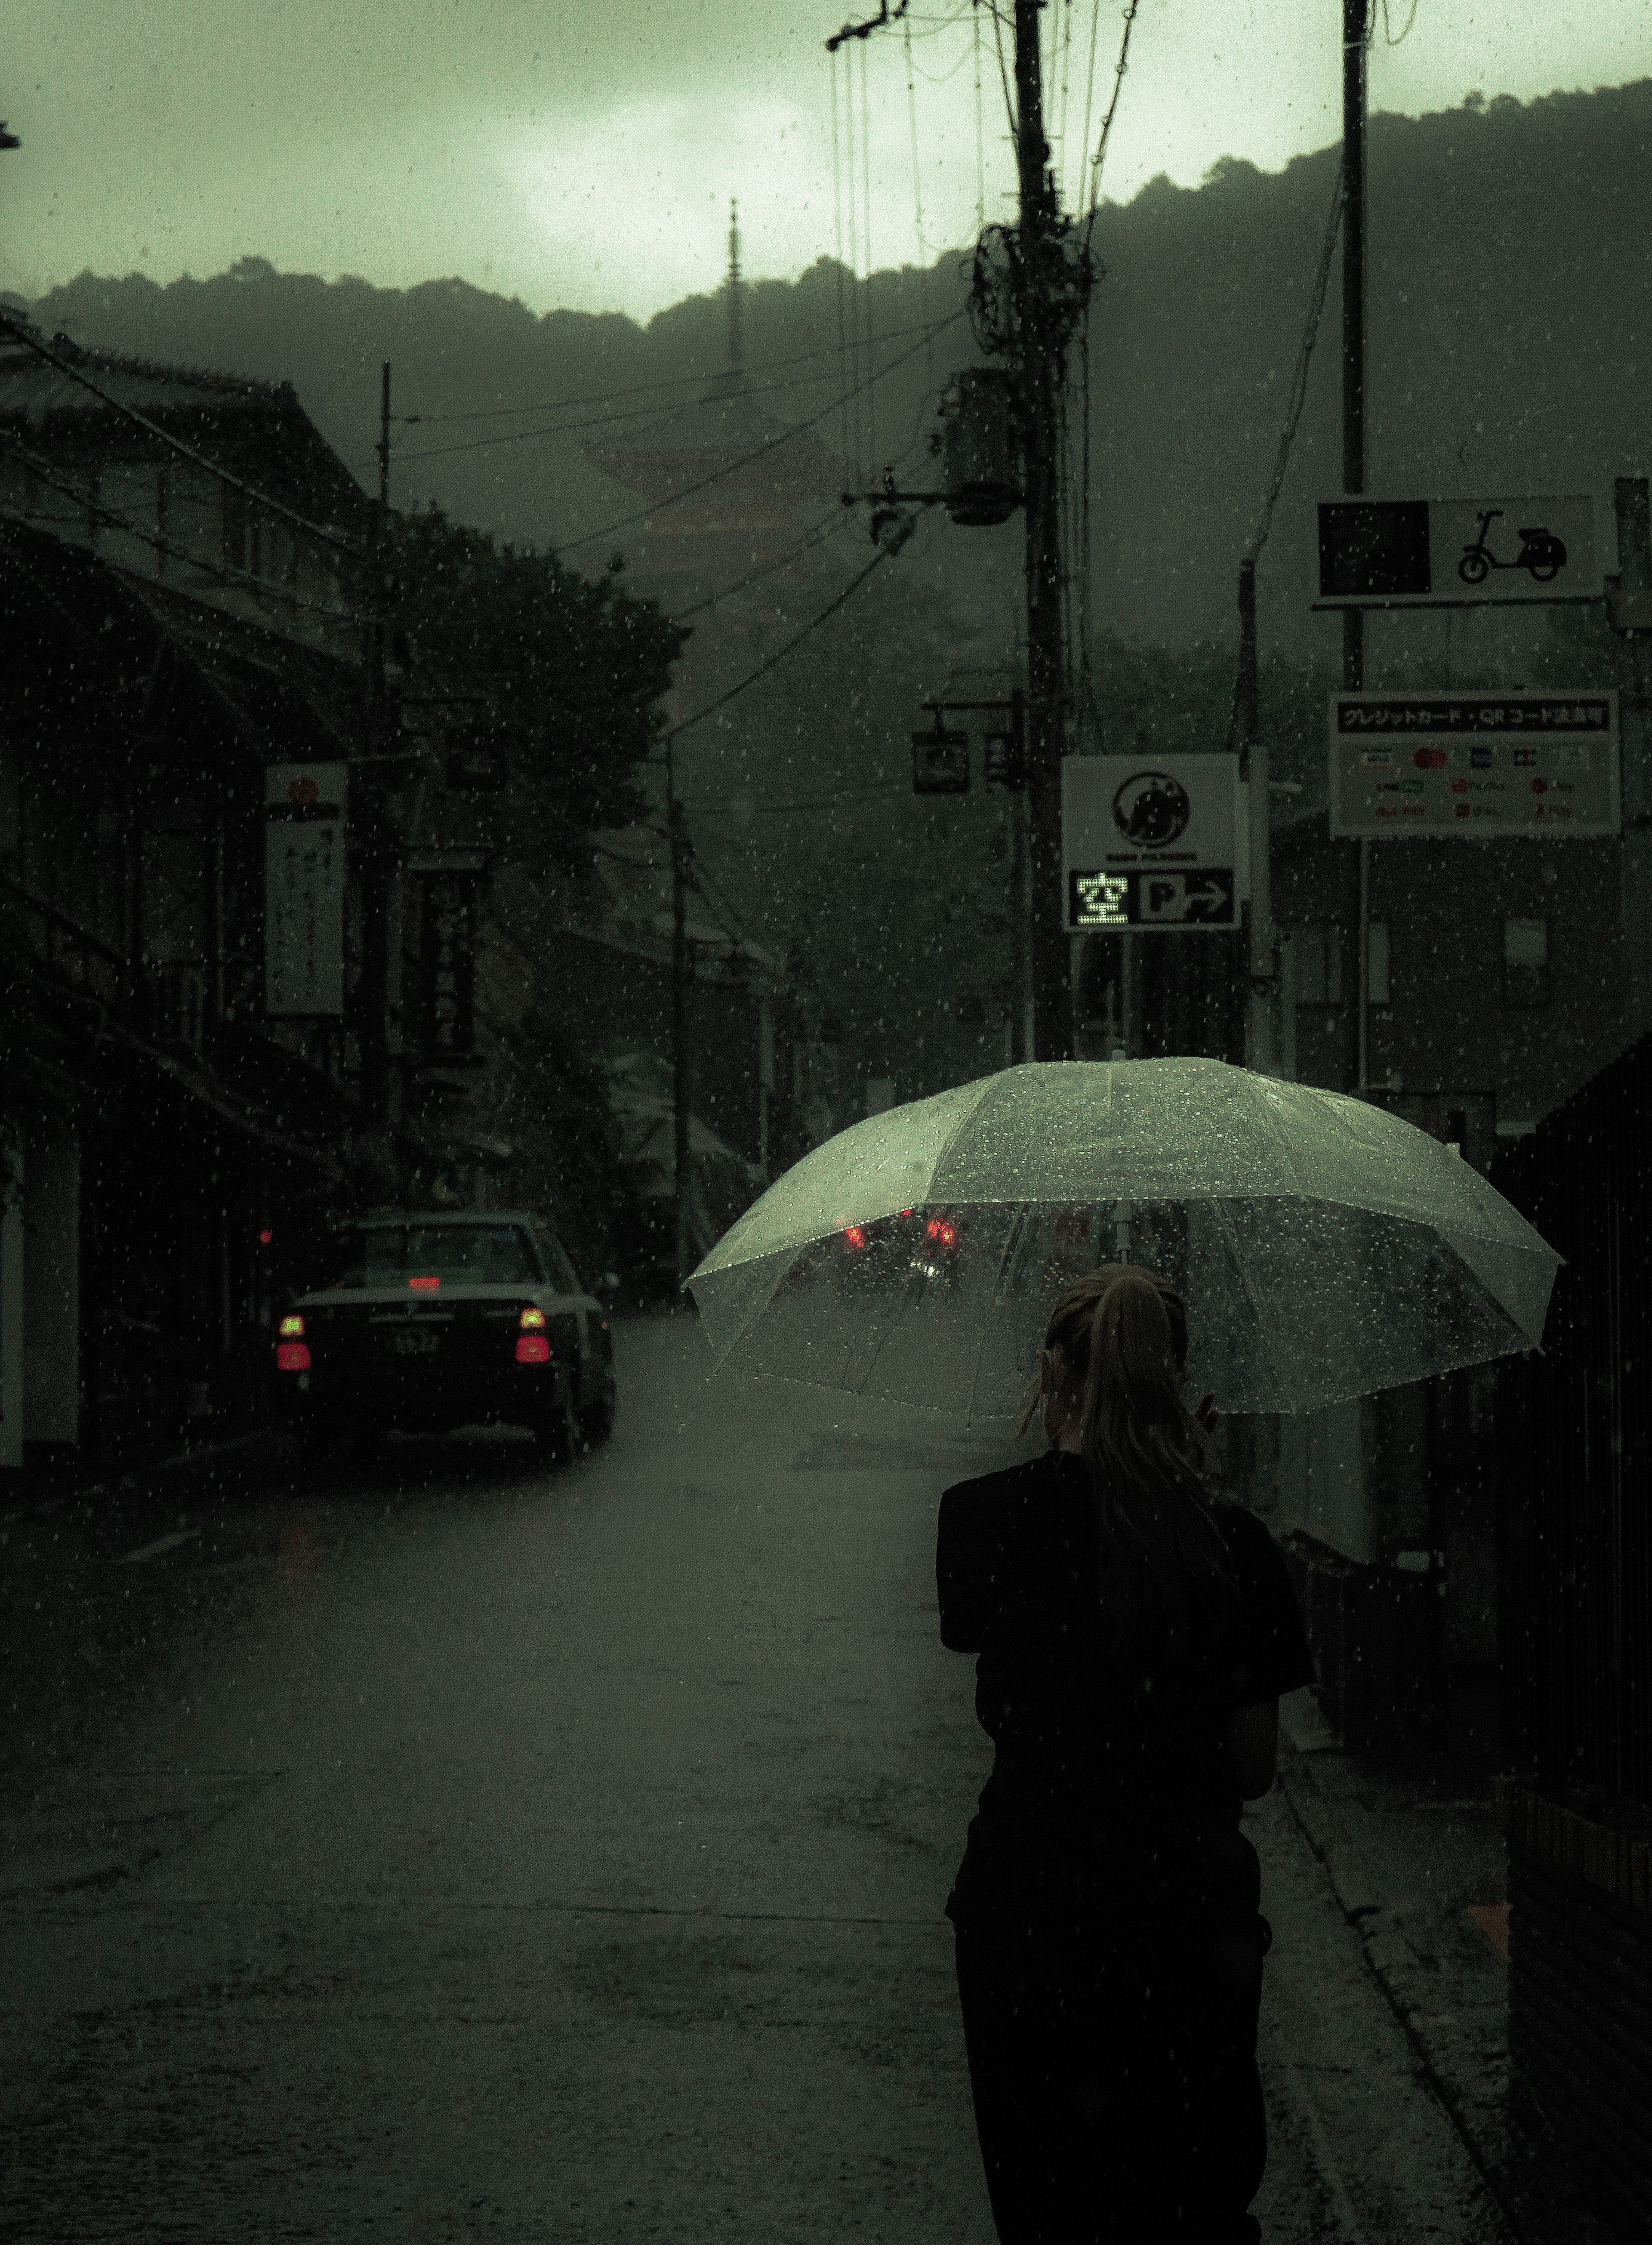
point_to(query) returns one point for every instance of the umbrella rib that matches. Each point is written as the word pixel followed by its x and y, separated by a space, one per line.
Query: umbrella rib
pixel 988 1083
pixel 1224 1216
pixel 1006 1260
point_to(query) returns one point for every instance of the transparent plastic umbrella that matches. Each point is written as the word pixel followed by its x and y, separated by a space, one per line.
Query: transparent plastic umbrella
pixel 1325 1248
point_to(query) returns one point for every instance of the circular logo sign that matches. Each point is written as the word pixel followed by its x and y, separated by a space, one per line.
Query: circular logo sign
pixel 1152 810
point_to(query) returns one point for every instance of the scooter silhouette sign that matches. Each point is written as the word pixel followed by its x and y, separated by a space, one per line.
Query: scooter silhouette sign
pixel 1152 842
pixel 1457 552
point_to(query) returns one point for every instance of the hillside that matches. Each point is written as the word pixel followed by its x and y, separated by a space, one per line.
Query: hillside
pixel 1510 312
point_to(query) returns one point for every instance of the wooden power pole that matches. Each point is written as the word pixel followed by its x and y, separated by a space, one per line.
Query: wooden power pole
pixel 1040 319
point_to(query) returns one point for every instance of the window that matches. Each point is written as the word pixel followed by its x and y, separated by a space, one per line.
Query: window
pixel 459 1254
pixel 1318 961
pixel 1526 962
pixel 563 1274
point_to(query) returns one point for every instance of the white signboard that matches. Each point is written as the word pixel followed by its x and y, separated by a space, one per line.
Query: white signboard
pixel 1152 842
pixel 304 888
pixel 1457 552
pixel 1474 766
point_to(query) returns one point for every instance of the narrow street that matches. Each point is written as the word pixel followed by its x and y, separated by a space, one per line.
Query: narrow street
pixel 475 1848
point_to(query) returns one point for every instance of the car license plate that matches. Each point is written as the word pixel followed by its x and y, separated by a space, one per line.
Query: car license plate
pixel 412 1342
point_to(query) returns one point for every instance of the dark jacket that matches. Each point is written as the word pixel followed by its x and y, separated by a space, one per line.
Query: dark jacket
pixel 1110 1750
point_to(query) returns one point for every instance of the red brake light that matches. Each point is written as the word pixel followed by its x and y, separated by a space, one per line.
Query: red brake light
pixel 934 1231
pixel 424 1286
pixel 532 1348
pixel 264 1238
pixel 948 1235
pixel 293 1356
pixel 854 1236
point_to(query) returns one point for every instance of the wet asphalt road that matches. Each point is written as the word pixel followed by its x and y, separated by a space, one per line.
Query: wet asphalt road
pixel 473 1848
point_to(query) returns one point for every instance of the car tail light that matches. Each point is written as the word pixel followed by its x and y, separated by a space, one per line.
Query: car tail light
pixel 293 1356
pixel 949 1233
pixel 854 1236
pixel 934 1231
pixel 531 1320
pixel 423 1286
pixel 532 1348
pixel 292 1327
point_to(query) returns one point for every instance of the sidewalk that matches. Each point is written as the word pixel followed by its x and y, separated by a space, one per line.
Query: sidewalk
pixel 1416 1865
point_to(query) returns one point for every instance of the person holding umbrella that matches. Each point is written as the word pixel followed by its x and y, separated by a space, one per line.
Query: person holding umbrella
pixel 1135 1632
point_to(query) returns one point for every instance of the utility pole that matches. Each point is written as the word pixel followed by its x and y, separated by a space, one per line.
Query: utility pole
pixel 1353 372
pixel 1043 349
pixel 678 831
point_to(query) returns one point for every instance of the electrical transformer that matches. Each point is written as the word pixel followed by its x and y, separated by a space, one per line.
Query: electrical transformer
pixel 978 448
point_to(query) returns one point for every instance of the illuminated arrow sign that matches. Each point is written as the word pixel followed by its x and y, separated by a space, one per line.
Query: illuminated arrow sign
pixel 1155 843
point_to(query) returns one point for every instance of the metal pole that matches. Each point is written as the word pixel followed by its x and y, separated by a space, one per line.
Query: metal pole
pixel 680 1149
pixel 1353 373
pixel 1042 354
pixel 1261 944
pixel 384 445
pixel 1629 606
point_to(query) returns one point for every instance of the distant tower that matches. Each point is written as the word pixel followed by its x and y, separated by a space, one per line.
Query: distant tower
pixel 734 382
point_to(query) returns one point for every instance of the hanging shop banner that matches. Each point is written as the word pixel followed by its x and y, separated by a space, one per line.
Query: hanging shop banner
pixel 1152 843
pixel 1457 552
pixel 1474 766
pixel 447 960
pixel 304 809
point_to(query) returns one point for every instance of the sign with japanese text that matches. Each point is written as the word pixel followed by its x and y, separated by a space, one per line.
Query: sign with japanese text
pixel 1151 843
pixel 304 889
pixel 1474 766
pixel 1457 552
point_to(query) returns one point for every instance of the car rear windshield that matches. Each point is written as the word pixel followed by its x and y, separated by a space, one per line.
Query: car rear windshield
pixel 457 1254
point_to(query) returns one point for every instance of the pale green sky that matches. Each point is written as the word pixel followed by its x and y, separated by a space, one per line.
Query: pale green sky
pixel 582 152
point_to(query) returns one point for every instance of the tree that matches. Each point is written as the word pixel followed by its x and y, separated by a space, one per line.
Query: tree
pixel 572 668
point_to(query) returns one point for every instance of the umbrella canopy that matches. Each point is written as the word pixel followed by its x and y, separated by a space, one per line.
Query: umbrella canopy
pixel 1325 1248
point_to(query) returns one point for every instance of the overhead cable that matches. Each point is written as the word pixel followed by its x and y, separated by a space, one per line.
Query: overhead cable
pixel 638 389
pixel 780 653
pixel 757 451
pixel 176 443
pixel 95 510
pixel 1095 193
pixel 823 530
pixel 1299 380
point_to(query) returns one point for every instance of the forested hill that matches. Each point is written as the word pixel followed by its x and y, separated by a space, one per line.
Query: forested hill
pixel 1511 326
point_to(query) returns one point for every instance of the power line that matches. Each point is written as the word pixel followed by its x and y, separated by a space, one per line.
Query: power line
pixel 95 509
pixel 780 653
pixel 817 536
pixel 597 421
pixel 637 389
pixel 757 452
pixel 1299 380
pixel 177 445
pixel 1107 123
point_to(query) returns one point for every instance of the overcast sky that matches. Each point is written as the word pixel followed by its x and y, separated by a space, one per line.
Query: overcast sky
pixel 581 152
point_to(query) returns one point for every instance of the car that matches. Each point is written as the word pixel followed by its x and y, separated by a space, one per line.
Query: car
pixel 428 1321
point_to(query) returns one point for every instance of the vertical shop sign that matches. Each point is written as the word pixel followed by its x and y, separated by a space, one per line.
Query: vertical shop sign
pixel 447 954
pixel 304 889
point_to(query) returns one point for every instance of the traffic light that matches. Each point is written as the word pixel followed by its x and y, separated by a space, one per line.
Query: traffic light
pixel 940 763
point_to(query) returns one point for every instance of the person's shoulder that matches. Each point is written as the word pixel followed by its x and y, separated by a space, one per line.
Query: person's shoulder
pixel 1004 1490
